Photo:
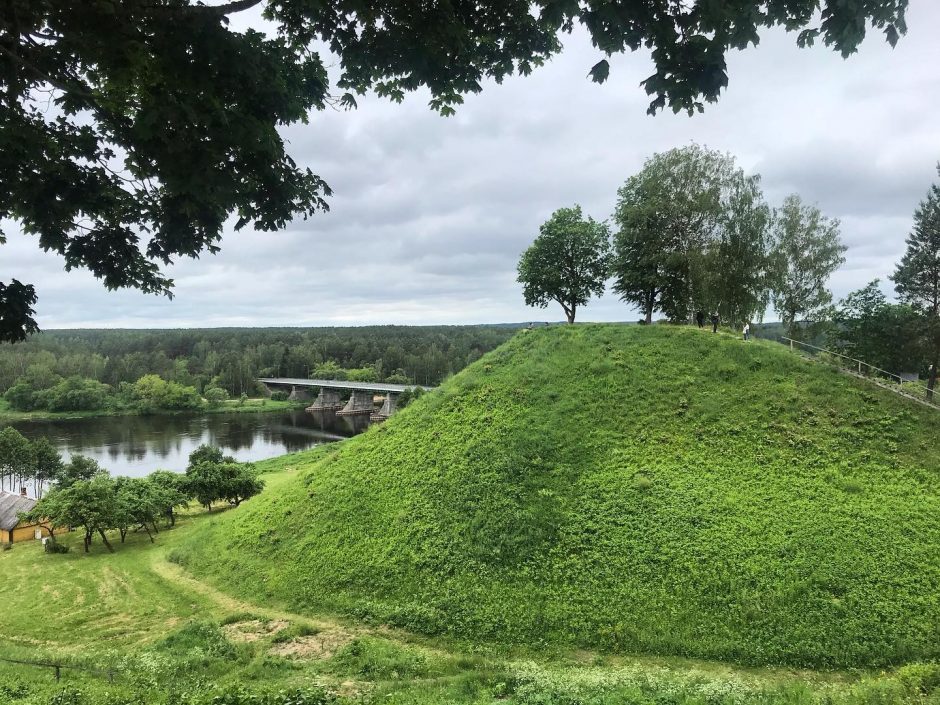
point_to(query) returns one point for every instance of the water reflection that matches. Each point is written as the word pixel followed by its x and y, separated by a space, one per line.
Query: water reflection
pixel 137 445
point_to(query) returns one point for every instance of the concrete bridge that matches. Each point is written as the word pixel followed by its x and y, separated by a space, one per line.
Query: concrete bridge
pixel 330 394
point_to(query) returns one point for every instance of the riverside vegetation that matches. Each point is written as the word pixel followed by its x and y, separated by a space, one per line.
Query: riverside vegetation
pixel 580 494
pixel 128 371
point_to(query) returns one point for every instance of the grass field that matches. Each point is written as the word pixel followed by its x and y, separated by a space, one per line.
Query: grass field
pixel 166 637
pixel 624 488
pixel 683 491
pixel 8 415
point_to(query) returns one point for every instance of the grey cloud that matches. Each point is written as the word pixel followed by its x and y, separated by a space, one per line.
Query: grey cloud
pixel 430 214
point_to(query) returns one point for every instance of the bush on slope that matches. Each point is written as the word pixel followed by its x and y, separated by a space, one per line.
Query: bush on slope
pixel 632 488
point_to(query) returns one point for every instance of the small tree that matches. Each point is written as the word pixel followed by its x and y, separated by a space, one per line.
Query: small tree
pixel 171 491
pixel 80 468
pixel 212 476
pixel 48 465
pixel 807 250
pixel 17 458
pixel 136 503
pixel 917 277
pixel 567 263
pixel 241 482
pixel 89 504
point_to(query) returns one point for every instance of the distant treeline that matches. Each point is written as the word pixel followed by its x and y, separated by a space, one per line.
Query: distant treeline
pixel 231 359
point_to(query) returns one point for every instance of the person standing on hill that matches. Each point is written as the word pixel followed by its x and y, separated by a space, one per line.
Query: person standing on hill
pixel 714 323
pixel 700 319
pixel 747 330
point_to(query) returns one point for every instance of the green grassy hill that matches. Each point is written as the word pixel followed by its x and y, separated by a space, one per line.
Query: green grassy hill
pixel 641 489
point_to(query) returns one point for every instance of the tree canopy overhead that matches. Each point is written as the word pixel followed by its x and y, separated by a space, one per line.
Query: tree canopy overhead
pixel 131 131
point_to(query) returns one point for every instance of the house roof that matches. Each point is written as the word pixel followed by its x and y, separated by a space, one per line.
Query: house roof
pixel 11 505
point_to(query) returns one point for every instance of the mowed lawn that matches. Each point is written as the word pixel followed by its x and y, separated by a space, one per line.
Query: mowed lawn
pixel 93 602
pixel 81 601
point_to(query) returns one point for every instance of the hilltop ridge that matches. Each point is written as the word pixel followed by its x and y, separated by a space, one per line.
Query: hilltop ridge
pixel 638 489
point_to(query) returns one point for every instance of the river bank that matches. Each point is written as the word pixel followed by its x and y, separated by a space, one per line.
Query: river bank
pixel 230 406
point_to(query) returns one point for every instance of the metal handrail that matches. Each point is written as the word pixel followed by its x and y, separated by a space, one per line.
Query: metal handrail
pixel 58 666
pixel 860 364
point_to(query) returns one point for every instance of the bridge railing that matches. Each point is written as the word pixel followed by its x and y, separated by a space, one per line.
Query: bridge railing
pixel 864 369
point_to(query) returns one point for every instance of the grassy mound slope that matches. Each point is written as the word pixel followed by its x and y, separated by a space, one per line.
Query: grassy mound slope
pixel 639 489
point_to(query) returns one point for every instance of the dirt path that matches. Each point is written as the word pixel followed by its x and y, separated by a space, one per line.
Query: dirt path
pixel 226 603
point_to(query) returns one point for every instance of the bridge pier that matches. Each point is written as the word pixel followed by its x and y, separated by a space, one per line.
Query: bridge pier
pixel 388 408
pixel 327 400
pixel 299 394
pixel 360 402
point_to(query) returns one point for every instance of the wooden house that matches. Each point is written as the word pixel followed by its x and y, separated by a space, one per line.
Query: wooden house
pixel 12 530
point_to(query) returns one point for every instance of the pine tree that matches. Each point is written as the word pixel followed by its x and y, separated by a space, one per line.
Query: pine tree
pixel 917 277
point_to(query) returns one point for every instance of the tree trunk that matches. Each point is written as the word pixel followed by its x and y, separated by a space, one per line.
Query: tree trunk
pixel 123 534
pixel 148 531
pixel 106 542
pixel 570 314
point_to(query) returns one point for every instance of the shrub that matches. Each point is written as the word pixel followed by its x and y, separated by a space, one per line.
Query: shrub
pixel 279 396
pixel 53 546
pixel 202 636
pixel 21 397
pixel 920 678
pixel 151 393
pixel 14 690
pixel 642 482
pixel 68 696
pixel 215 396
pixel 294 631
pixel 378 659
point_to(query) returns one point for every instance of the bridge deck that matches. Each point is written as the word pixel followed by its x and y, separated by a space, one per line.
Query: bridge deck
pixel 340 384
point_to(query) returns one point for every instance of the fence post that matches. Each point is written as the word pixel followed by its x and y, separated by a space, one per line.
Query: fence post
pixel 791 344
pixel 58 672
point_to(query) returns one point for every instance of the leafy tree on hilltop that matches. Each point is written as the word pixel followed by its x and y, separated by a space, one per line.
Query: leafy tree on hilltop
pixel 917 277
pixel 165 119
pixel 567 263
pixel 692 234
pixel 807 250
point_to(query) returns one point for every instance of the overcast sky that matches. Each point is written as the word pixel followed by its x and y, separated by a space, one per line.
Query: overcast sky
pixel 430 214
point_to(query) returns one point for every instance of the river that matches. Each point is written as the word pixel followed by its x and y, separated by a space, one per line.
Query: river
pixel 137 445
